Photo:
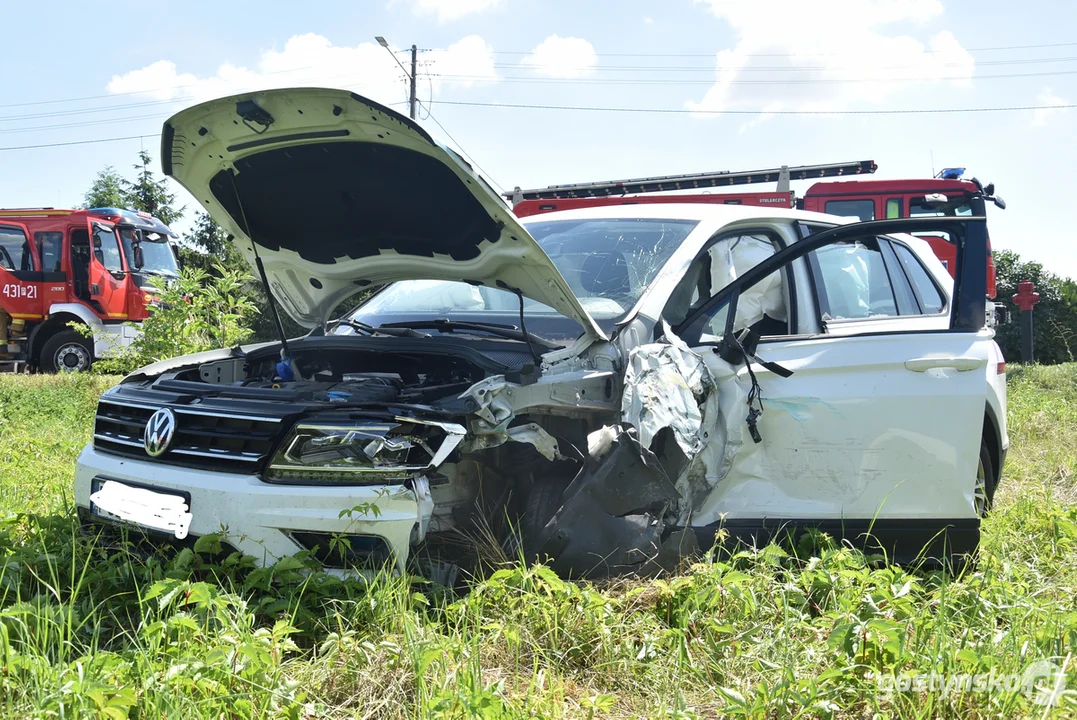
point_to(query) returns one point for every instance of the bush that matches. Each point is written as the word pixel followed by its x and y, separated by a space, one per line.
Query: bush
pixel 198 311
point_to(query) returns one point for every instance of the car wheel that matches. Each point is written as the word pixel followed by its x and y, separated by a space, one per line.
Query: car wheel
pixel 984 493
pixel 67 351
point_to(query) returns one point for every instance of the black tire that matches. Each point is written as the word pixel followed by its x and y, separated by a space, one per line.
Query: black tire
pixel 544 498
pixel 66 351
pixel 986 481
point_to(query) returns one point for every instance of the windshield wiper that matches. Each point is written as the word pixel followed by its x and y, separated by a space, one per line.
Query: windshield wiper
pixel 371 330
pixel 510 332
pixel 158 273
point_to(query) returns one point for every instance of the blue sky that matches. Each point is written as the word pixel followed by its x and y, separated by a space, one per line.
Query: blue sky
pixel 73 73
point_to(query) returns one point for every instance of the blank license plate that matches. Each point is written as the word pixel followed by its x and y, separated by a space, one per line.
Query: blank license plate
pixel 161 511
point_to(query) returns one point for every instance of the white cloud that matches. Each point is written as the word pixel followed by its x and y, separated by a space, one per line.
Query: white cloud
pixel 449 10
pixel 560 57
pixel 648 21
pixel 796 55
pixel 1042 116
pixel 311 59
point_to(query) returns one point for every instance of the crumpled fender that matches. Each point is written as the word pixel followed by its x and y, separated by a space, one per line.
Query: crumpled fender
pixel 612 520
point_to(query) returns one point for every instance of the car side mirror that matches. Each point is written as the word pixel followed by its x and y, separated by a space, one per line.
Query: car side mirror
pixel 139 256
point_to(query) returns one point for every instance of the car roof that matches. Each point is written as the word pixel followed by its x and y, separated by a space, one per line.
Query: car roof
pixel 721 214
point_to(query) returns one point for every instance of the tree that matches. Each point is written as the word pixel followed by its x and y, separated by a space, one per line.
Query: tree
pixel 1054 326
pixel 151 195
pixel 207 245
pixel 107 190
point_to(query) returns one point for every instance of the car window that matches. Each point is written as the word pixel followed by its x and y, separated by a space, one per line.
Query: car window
pixel 15 251
pixel 106 249
pixel 926 208
pixel 607 262
pixel 929 295
pixel 863 209
pixel 852 281
pixel 50 245
pixel 761 307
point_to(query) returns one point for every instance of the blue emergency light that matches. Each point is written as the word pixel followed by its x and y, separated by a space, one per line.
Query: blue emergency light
pixel 951 173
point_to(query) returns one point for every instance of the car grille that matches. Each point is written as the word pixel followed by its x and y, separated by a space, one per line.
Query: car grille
pixel 204 438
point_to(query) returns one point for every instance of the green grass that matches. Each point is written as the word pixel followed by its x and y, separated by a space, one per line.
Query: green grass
pixel 89 628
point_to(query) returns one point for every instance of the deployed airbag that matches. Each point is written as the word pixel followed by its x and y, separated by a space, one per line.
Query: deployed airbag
pixel 733 257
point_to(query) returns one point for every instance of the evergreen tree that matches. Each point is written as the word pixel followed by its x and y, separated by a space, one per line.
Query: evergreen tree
pixel 206 246
pixel 107 190
pixel 150 194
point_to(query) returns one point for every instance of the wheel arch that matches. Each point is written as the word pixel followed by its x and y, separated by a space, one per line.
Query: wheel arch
pixel 992 437
pixel 58 319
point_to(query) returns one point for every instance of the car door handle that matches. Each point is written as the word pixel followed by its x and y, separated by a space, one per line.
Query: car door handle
pixel 961 364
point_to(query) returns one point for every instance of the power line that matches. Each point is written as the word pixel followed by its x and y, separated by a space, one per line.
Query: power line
pixel 801 81
pixel 138 92
pixel 485 174
pixel 77 142
pixel 84 123
pixel 112 139
pixel 712 54
pixel 663 111
pixel 771 68
pixel 599 68
pixel 611 68
pixel 531 80
pixel 685 111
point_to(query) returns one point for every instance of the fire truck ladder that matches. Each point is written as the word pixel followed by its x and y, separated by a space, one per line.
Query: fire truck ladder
pixel 665 183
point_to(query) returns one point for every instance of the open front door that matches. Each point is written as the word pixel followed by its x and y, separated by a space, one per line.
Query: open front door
pixel 876 431
pixel 107 273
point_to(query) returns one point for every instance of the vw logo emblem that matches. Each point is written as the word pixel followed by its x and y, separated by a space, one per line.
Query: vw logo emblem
pixel 159 430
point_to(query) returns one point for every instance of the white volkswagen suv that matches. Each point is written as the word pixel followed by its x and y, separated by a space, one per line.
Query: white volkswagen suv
pixel 613 386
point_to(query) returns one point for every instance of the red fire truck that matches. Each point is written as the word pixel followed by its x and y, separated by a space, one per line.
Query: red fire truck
pixel 945 194
pixel 94 267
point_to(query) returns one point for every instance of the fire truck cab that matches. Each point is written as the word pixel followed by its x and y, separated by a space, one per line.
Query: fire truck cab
pixel 93 267
pixel 944 195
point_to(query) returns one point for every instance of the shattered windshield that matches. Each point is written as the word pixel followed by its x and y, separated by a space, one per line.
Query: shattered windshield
pixel 608 263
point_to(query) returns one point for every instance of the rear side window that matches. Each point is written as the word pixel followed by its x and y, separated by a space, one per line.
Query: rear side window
pixel 15 253
pixel 929 295
pixel 863 209
pixel 853 281
pixel 50 245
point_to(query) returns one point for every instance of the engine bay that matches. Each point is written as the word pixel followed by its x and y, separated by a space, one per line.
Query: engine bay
pixel 356 371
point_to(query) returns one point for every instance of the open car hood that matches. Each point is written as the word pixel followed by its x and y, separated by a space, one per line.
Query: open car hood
pixel 340 193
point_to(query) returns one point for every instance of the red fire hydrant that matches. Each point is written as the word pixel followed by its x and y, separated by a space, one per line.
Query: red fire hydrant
pixel 1025 299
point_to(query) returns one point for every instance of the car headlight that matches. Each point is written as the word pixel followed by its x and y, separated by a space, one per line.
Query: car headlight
pixel 362 452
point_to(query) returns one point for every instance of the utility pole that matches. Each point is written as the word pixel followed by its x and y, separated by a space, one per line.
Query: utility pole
pixel 414 98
